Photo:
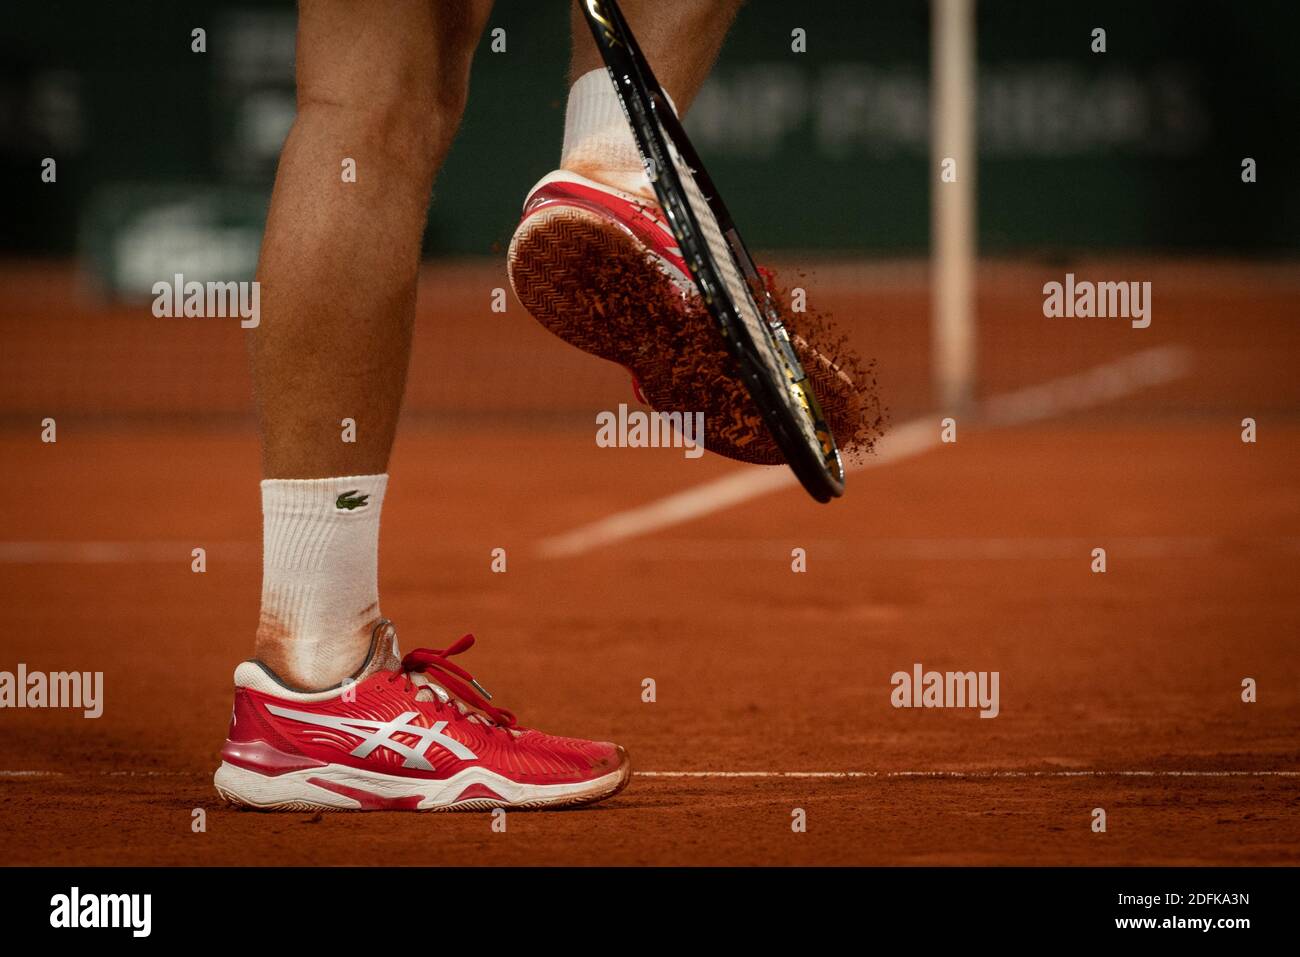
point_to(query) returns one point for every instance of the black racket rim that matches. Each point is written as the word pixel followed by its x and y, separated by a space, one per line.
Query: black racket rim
pixel 819 469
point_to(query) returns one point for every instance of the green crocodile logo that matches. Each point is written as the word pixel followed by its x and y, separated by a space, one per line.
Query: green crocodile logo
pixel 351 500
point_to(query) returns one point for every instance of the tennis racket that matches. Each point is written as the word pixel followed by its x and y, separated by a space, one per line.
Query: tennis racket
pixel 729 283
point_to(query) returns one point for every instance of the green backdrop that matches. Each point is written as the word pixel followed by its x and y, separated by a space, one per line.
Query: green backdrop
pixel 159 148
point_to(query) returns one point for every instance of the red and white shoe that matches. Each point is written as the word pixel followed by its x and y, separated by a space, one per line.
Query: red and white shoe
pixel 418 735
pixel 601 269
pixel 568 218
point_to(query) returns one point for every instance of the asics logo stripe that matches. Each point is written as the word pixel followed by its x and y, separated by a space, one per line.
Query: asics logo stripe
pixel 379 734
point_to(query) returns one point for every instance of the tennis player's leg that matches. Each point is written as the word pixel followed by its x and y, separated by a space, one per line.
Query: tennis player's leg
pixel 381 88
pixel 327 715
pixel 595 261
pixel 680 40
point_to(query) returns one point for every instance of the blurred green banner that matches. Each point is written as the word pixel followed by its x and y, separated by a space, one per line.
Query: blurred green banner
pixel 1140 147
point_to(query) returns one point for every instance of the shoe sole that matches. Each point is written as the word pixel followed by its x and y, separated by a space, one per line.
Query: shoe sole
pixel 337 787
pixel 553 264
pixel 558 265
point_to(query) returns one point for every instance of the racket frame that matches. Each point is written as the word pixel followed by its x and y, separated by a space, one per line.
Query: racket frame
pixel 808 446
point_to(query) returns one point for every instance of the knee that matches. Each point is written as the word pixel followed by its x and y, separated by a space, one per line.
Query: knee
pixel 408 120
pixel 399 94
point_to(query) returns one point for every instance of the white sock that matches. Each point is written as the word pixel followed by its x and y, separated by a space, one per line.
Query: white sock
pixel 320 576
pixel 598 141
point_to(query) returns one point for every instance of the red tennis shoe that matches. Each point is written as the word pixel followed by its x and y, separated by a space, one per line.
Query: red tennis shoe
pixel 600 268
pixel 414 735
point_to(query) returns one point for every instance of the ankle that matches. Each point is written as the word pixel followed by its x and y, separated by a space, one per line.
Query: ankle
pixel 320 576
pixel 598 141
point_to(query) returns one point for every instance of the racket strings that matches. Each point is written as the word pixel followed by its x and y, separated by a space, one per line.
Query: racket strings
pixel 720 250
pixel 742 297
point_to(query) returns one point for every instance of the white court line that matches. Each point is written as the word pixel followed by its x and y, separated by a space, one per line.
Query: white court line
pixel 843 775
pixel 116 553
pixel 944 549
pixel 903 442
pixel 105 774
pixel 1095 386
pixel 977 775
pixel 31 774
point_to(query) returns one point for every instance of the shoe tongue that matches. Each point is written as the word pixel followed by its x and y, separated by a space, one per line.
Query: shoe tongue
pixel 431 689
pixel 384 654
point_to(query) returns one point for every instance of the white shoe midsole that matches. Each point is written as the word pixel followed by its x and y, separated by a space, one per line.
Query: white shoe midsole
pixel 260 790
pixel 683 282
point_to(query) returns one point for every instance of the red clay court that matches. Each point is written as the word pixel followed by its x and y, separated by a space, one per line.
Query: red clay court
pixel 1120 691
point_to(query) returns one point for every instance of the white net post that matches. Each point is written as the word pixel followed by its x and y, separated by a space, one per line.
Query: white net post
pixel 952 203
